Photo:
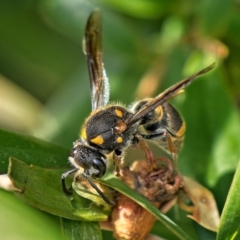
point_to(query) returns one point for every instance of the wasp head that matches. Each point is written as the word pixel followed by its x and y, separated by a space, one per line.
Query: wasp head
pixel 89 159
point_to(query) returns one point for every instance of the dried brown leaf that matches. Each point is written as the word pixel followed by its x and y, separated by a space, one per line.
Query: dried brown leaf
pixel 204 210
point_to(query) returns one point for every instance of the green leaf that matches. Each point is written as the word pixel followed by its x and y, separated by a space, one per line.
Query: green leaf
pixel 30 150
pixel 226 149
pixel 76 230
pixel 229 228
pixel 144 9
pixel 115 183
pixel 234 29
pixel 42 189
pixel 42 57
pixel 215 16
pixel 212 125
pixel 20 221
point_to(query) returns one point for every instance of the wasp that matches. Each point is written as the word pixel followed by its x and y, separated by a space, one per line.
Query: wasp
pixel 113 128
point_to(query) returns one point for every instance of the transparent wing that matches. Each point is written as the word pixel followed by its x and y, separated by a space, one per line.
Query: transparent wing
pixel 165 96
pixel 92 48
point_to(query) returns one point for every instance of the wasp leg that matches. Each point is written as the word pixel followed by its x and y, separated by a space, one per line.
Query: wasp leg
pixel 87 175
pixel 148 153
pixel 170 145
pixel 64 176
pixel 172 150
pixel 117 157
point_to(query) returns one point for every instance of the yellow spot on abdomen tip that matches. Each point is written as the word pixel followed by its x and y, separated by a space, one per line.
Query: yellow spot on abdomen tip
pixel 182 130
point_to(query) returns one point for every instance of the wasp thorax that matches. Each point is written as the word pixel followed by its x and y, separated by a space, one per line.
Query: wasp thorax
pixel 106 129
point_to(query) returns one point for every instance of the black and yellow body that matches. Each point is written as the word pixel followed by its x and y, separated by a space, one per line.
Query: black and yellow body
pixel 106 129
pixel 113 128
pixel 163 119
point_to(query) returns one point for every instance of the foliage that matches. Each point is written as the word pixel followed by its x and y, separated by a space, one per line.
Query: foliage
pixel 148 45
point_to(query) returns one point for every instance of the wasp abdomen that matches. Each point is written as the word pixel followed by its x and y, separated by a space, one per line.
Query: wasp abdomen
pixel 170 119
pixel 162 121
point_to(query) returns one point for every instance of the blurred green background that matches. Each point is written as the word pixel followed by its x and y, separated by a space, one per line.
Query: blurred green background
pixel 148 46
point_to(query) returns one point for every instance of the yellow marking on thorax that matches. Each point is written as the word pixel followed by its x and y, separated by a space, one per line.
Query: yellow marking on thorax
pixel 83 133
pixel 119 112
pixel 97 140
pixel 119 140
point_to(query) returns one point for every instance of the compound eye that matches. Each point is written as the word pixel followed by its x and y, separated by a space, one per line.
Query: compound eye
pixel 99 165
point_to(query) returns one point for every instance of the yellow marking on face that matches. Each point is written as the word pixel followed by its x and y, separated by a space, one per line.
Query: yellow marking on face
pixel 119 113
pixel 119 140
pixel 83 133
pixel 182 130
pixel 97 140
